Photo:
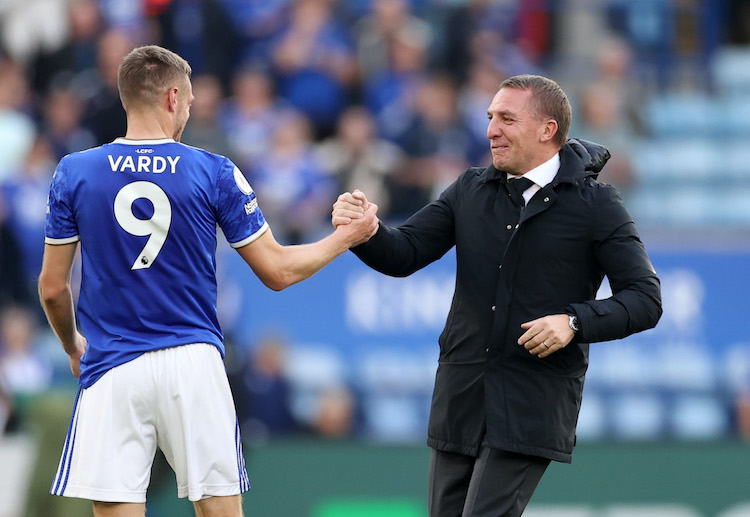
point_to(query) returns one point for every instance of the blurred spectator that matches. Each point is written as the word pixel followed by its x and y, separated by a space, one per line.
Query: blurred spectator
pixel 474 98
pixel 743 412
pixel 336 413
pixel 249 117
pixel 127 18
pixel 53 65
pixel 738 22
pixel 203 128
pixel 78 53
pixel 17 130
pixel 105 116
pixel 437 145
pixel 489 47
pixel 263 391
pixel 62 122
pixel 254 24
pixel 598 120
pixel 22 370
pixel 13 289
pixel 650 26
pixel 296 193
pixel 507 35
pixel 6 409
pixel 376 32
pixel 359 159
pixel 26 198
pixel 31 27
pixel 614 72
pixel 390 94
pixel 85 28
pixel 314 61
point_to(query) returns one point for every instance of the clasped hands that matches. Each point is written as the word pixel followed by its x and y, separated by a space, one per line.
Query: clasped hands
pixel 353 206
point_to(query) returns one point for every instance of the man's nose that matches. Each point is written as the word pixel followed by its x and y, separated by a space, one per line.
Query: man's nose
pixel 493 130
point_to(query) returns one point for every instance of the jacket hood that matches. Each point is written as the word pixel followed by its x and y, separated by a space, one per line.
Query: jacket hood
pixel 592 156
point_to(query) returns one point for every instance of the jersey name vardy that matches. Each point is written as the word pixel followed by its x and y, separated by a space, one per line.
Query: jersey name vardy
pixel 143 163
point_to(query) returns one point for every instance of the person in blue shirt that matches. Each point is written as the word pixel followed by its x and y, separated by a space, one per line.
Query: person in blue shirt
pixel 148 356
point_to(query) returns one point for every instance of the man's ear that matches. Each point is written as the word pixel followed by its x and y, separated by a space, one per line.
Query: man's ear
pixel 549 130
pixel 172 99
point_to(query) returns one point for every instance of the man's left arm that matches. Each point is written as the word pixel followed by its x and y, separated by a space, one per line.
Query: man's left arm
pixel 635 304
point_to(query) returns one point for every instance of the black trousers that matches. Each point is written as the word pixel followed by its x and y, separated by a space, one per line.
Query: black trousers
pixel 494 484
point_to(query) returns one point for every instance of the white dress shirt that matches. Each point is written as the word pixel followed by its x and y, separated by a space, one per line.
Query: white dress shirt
pixel 541 175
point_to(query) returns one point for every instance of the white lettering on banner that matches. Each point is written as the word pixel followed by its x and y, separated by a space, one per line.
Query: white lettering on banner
pixel 152 164
pixel 377 303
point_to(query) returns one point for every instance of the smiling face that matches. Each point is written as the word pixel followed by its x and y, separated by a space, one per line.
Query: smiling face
pixel 519 137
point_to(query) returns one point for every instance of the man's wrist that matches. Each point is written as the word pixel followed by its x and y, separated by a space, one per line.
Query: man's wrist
pixel 573 323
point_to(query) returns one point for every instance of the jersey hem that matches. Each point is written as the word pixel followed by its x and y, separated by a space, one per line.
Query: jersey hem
pixel 88 379
pixel 252 238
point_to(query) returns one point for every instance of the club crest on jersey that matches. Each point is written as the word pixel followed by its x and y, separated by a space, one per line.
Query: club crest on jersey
pixel 241 181
pixel 144 163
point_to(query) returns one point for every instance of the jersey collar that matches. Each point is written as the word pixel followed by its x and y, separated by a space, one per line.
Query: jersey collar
pixel 127 141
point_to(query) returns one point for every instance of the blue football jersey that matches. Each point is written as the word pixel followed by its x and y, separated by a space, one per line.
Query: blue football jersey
pixel 146 213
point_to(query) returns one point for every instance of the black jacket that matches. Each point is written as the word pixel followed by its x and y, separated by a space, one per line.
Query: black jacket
pixel 509 271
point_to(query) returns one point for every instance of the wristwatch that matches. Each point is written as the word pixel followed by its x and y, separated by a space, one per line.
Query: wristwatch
pixel 573 322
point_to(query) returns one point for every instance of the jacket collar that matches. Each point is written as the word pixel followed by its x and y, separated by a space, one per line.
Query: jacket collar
pixel 578 159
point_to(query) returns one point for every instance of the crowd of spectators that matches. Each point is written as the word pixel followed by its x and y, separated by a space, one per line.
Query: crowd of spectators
pixel 309 98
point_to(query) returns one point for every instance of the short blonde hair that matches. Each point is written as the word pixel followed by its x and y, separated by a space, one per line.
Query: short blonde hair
pixel 147 72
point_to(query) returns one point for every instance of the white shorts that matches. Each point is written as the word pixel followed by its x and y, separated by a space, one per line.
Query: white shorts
pixel 177 399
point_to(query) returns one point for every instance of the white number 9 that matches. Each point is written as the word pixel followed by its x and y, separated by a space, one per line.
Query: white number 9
pixel 157 226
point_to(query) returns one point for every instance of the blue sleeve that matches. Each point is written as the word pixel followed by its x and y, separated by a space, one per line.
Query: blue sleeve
pixel 60 225
pixel 236 206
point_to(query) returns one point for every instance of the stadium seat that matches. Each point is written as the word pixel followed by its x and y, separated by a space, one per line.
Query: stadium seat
pixel 679 115
pixel 731 70
pixel 681 161
pixel 734 116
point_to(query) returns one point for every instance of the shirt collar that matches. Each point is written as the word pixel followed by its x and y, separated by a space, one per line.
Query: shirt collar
pixel 543 174
pixel 127 141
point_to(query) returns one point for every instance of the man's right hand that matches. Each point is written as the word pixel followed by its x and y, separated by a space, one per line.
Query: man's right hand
pixel 348 207
pixel 75 357
pixel 360 230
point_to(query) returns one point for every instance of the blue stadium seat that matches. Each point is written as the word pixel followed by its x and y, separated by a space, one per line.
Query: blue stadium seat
pixel 679 115
pixel 680 161
pixel 735 162
pixel 731 70
pixel 734 116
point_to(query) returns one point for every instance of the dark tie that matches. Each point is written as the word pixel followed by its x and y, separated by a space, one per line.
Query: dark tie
pixel 517 186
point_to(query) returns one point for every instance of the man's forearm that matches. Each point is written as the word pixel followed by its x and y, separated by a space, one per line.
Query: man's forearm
pixel 300 262
pixel 60 313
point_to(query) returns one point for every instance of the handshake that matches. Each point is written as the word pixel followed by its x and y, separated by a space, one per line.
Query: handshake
pixel 355 217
